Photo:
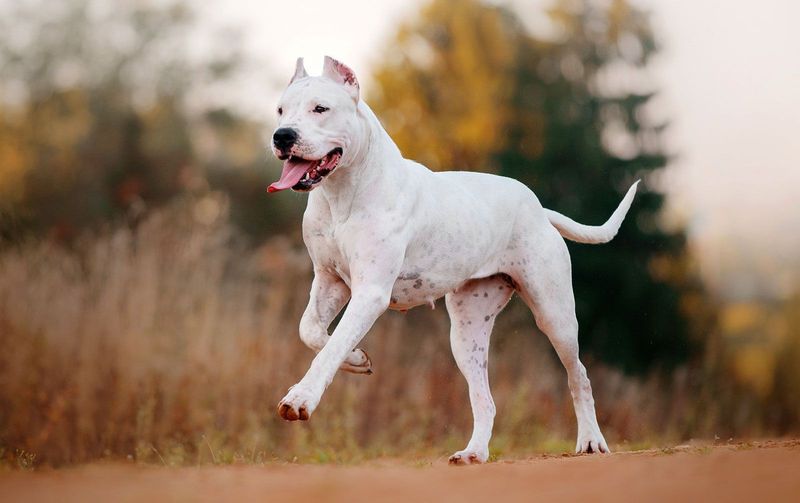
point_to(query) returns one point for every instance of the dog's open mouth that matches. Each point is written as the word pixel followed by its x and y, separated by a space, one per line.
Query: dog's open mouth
pixel 302 174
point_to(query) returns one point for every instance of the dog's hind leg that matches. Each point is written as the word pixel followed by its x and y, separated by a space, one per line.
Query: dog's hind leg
pixel 544 281
pixel 328 296
pixel 472 313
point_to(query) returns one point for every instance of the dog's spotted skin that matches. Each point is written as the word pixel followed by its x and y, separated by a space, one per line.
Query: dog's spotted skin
pixel 385 232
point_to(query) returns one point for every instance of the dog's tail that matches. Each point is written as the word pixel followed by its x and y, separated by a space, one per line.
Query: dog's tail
pixel 593 234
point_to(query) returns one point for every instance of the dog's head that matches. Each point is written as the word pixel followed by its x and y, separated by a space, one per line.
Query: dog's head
pixel 317 117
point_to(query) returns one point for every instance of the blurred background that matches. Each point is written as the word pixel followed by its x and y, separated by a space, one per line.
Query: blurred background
pixel 150 290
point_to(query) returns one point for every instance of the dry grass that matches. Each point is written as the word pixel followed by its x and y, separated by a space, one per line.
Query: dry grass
pixel 173 344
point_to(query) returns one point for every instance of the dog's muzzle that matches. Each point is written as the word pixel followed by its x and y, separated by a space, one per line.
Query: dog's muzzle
pixel 303 174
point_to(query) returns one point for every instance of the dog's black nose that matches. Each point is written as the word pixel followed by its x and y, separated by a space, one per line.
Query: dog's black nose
pixel 284 138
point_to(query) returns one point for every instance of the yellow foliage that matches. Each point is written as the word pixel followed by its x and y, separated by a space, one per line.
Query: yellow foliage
pixel 755 366
pixel 452 113
pixel 742 317
pixel 14 163
pixel 53 128
pixel 762 341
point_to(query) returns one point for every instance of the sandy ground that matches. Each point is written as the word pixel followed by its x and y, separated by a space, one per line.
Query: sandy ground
pixel 767 471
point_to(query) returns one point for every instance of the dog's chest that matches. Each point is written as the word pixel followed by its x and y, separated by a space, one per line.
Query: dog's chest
pixel 416 284
pixel 327 253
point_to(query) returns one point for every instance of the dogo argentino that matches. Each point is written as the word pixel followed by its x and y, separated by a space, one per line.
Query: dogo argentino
pixel 386 232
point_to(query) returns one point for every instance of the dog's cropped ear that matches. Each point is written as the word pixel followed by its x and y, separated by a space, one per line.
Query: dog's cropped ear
pixel 299 70
pixel 341 73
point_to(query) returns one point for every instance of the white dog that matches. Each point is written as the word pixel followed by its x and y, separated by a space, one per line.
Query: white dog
pixel 386 232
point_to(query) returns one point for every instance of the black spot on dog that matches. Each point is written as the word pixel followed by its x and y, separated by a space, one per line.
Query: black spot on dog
pixel 486 318
pixel 485 294
pixel 418 284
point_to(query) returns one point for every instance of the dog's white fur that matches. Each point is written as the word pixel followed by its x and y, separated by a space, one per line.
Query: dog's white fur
pixel 386 232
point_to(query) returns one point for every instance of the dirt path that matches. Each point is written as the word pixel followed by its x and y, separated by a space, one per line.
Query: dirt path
pixel 753 472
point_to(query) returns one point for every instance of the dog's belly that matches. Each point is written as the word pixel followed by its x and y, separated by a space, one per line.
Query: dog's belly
pixel 414 289
pixel 446 255
pixel 424 280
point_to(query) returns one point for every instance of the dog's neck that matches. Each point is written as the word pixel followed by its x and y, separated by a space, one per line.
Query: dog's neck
pixel 365 167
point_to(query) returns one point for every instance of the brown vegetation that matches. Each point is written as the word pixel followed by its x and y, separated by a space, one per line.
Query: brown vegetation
pixel 173 342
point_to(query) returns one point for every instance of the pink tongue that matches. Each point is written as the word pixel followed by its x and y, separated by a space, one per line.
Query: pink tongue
pixel 293 170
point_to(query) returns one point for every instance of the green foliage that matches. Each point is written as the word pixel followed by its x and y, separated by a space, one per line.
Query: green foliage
pixel 467 87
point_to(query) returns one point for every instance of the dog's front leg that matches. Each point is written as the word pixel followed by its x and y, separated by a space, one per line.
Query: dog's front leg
pixel 328 296
pixel 367 303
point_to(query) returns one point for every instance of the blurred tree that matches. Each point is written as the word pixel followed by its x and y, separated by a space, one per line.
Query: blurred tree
pixel 445 93
pixel 103 114
pixel 465 86
pixel 91 102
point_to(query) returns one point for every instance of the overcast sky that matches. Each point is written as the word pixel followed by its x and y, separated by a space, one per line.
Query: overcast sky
pixel 729 76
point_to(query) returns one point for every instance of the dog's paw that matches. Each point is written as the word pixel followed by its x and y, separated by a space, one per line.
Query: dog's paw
pixel 468 457
pixel 591 444
pixel 357 362
pixel 297 404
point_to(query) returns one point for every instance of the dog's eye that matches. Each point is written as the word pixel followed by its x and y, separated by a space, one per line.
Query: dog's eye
pixel 320 109
pixel 280 110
